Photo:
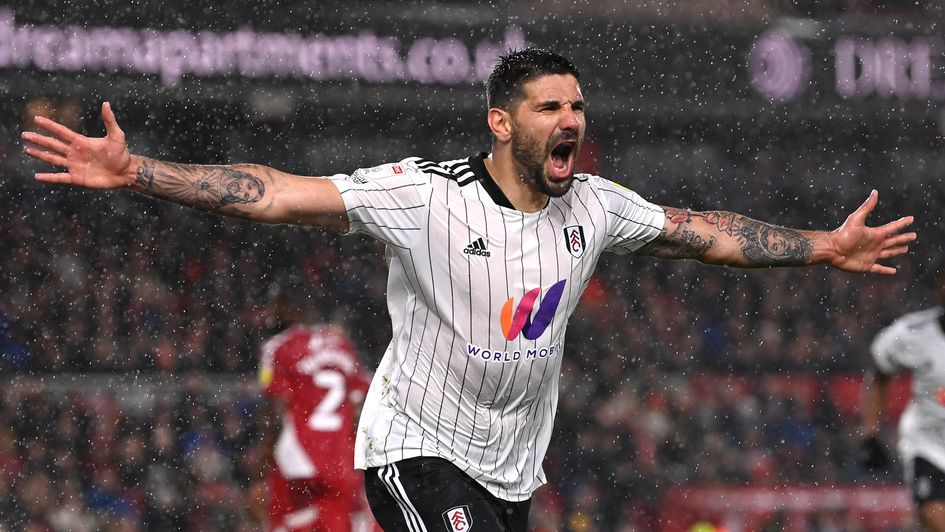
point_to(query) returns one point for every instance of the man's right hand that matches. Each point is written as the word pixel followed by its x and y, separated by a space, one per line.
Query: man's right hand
pixel 247 191
pixel 89 162
pixel 873 455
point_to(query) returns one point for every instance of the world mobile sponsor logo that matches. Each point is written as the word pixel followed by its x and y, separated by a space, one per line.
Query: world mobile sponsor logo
pixel 489 355
pixel 521 321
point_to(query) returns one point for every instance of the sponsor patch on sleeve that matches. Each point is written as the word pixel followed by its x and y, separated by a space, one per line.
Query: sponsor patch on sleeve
pixel 362 175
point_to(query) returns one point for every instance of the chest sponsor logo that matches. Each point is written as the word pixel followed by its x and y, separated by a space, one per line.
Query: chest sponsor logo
pixel 458 519
pixel 520 320
pixel 504 357
pixel 574 240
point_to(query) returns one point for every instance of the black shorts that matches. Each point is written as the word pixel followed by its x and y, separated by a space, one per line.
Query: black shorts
pixel 433 495
pixel 928 482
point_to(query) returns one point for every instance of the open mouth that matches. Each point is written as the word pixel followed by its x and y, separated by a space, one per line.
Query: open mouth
pixel 562 159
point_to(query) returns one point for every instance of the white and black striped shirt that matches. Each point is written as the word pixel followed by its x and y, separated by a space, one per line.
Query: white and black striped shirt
pixel 916 343
pixel 479 295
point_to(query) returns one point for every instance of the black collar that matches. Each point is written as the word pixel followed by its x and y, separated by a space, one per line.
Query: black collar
pixel 485 179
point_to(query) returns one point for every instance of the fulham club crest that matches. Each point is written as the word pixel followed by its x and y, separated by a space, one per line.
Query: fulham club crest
pixel 574 240
pixel 458 519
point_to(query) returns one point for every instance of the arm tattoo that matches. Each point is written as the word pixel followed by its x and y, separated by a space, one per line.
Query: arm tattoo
pixel 770 245
pixel 203 187
pixel 761 244
pixel 681 243
pixel 144 178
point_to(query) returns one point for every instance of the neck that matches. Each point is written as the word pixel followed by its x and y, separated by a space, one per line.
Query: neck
pixel 521 193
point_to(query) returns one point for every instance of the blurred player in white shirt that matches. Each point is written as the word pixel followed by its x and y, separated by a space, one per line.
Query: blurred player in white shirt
pixel 914 343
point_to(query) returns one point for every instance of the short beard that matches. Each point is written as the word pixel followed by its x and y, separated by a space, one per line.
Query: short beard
pixel 530 158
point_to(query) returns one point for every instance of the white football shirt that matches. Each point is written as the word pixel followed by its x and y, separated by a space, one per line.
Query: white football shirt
pixel 916 343
pixel 479 296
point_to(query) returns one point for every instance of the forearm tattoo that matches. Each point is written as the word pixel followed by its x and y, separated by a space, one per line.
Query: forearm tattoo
pixel 204 187
pixel 681 243
pixel 765 244
pixel 761 244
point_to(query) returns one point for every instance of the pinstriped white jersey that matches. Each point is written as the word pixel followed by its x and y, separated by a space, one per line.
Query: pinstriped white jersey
pixel 479 296
pixel 916 343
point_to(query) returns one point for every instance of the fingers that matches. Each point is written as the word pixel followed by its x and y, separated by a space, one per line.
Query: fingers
pixel 55 178
pixel 111 124
pixel 45 156
pixel 866 208
pixel 57 129
pixel 894 246
pixel 898 240
pixel 883 270
pixel 893 252
pixel 46 142
pixel 897 225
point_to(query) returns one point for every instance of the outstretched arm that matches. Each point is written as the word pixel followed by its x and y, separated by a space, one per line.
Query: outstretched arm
pixel 727 238
pixel 246 191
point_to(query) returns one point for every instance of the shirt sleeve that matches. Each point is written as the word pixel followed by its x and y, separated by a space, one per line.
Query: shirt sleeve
pixel 632 221
pixel 273 377
pixel 388 202
pixel 266 362
pixel 893 350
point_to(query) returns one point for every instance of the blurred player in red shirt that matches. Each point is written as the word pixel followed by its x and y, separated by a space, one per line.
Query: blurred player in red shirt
pixel 315 385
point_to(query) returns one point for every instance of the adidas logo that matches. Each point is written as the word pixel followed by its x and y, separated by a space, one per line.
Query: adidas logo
pixel 477 247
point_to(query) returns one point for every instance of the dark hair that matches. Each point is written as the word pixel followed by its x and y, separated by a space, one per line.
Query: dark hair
pixel 517 68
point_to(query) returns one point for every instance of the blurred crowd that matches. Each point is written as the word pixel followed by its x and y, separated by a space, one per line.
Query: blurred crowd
pixel 88 458
pixel 85 461
pixel 675 373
